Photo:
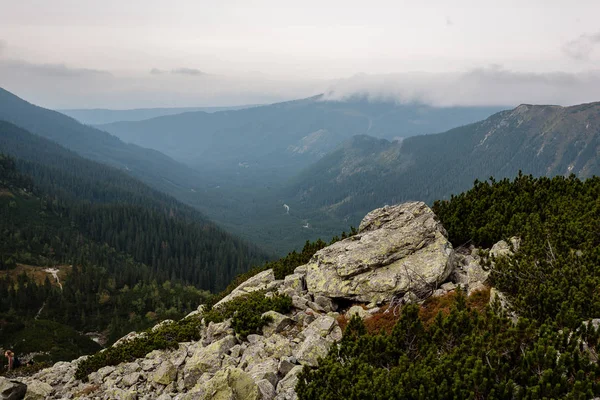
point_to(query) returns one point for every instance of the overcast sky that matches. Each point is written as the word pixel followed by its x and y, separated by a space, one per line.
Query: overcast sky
pixel 140 53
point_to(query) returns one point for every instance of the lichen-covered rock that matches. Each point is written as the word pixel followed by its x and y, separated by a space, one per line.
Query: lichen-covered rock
pixel 266 389
pixel 286 386
pixel 503 249
pixel 397 249
pixel 266 369
pixel 278 324
pixel 357 310
pixel 12 390
pixel 37 390
pixel 207 359
pixel 165 373
pixel 227 384
pixel 259 281
pixel 313 348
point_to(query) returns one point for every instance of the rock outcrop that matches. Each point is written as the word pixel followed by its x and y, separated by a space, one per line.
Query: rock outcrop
pixel 397 249
pixel 399 252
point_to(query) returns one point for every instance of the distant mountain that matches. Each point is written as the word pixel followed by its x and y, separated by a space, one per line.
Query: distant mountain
pixel 150 166
pixel 284 137
pixel 367 172
pixel 98 116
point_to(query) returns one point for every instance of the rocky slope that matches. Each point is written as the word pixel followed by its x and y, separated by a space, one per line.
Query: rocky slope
pixel 401 254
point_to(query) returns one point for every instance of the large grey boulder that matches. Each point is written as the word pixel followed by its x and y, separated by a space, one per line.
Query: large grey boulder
pixel 398 249
pixel 37 390
pixel 11 390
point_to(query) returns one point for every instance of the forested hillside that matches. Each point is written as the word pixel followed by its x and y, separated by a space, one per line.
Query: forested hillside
pixel 367 172
pixel 152 167
pixel 126 255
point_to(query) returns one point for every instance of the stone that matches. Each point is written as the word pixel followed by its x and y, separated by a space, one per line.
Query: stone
pixel 278 346
pixel 285 366
pixel 313 348
pixel 266 369
pixel 397 249
pixel 165 373
pixel 500 298
pixel 259 281
pixel 320 326
pixel 130 336
pixel 12 390
pixel 120 394
pixel 266 389
pixel 299 302
pixel 336 334
pixel 503 249
pixel 287 386
pixel 325 303
pixel 131 379
pixel 37 390
pixel 357 310
pixel 162 324
pixel 227 384
pixel 206 359
pixel 278 324
pixel 296 282
pixel 448 286
pixel 216 331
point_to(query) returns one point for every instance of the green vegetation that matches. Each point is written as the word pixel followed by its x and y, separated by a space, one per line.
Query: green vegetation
pixel 246 311
pixel 468 352
pixel 166 336
pixel 129 256
pixel 465 354
pixel 48 340
pixel 555 275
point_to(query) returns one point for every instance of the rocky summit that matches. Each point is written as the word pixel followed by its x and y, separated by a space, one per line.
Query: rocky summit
pixel 400 252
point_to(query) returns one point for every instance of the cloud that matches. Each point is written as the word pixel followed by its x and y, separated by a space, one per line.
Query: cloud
pixel 491 85
pixel 449 22
pixel 3 46
pixel 50 70
pixel 188 71
pixel 582 47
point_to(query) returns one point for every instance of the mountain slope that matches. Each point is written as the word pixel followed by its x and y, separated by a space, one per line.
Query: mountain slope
pixel 366 172
pixel 106 116
pixel 150 166
pixel 176 241
pixel 284 136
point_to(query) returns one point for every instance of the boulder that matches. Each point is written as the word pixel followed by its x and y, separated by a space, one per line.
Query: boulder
pixel 131 379
pixel 227 384
pixel 357 310
pixel 266 369
pixel 266 389
pixel 165 373
pixel 286 387
pixel 206 359
pixel 313 348
pixel 37 390
pixel 259 281
pixel 278 324
pixel 397 249
pixel 11 390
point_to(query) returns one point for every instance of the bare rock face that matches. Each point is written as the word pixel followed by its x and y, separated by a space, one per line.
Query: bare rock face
pixel 398 249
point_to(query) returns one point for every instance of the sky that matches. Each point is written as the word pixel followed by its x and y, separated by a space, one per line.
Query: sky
pixel 156 53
